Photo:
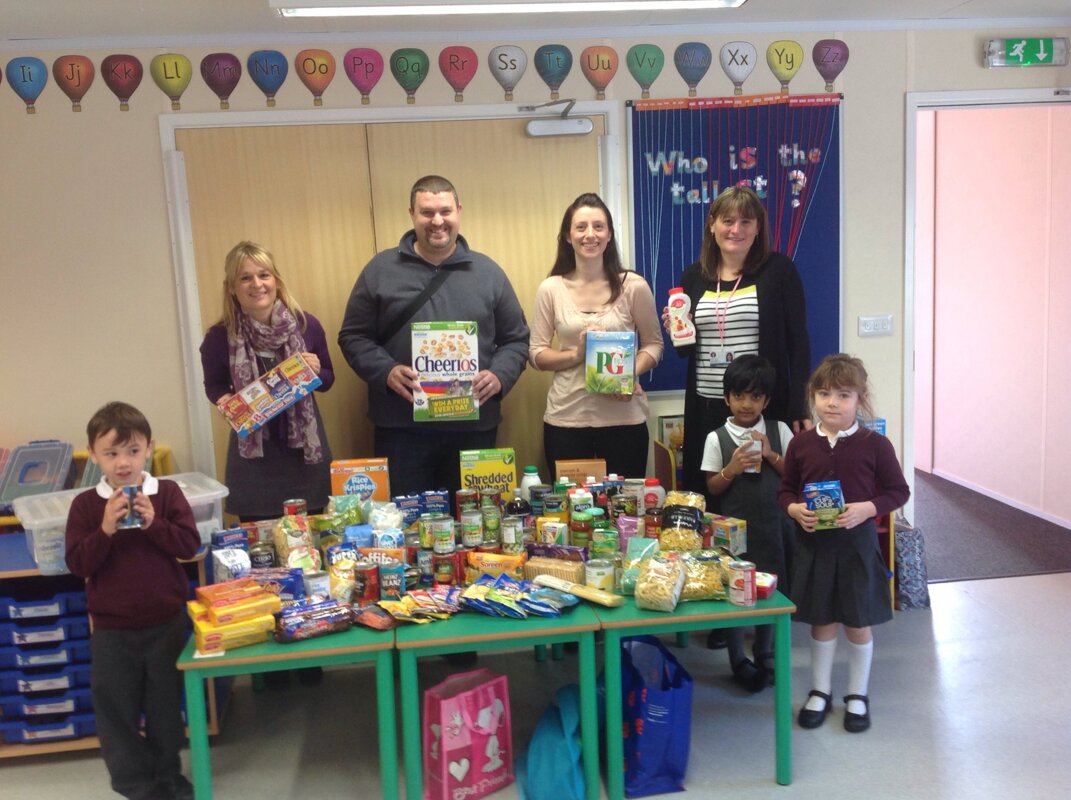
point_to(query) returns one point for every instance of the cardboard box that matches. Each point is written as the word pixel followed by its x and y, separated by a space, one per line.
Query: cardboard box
pixel 253 406
pixel 367 477
pixel 578 469
pixel 446 359
pixel 610 362
pixel 826 500
pixel 489 469
pixel 729 532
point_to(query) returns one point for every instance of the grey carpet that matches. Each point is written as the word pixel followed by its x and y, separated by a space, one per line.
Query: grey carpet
pixel 968 535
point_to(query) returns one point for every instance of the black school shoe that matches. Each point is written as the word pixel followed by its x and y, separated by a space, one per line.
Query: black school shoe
pixel 717 639
pixel 749 676
pixel 177 788
pixel 813 719
pixel 857 723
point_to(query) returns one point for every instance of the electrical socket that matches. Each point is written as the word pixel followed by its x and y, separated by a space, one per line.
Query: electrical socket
pixel 879 325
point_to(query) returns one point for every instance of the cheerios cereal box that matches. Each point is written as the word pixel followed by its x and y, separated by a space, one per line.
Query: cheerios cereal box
pixel 446 359
pixel 489 469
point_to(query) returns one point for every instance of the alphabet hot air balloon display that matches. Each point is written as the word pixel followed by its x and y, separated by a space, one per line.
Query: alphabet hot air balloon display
pixel 122 74
pixel 830 56
pixel 458 65
pixel 27 76
pixel 553 63
pixel 784 58
pixel 599 65
pixel 692 60
pixel 737 61
pixel 507 63
pixel 74 75
pixel 645 63
pixel 316 69
pixel 221 73
pixel 364 67
pixel 171 72
pixel 409 66
pixel 268 69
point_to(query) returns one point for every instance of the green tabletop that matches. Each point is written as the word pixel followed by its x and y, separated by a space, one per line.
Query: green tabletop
pixel 355 645
pixel 473 631
pixel 627 620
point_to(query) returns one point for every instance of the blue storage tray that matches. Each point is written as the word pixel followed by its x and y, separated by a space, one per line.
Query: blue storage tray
pixel 29 656
pixel 73 726
pixel 59 630
pixel 68 702
pixel 58 605
pixel 44 679
pixel 35 468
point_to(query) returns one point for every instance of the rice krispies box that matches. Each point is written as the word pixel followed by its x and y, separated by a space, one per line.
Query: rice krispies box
pixel 446 359
pixel 367 477
pixel 826 500
pixel 610 362
pixel 253 406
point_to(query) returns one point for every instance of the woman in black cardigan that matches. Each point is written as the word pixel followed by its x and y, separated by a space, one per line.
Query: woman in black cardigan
pixel 745 299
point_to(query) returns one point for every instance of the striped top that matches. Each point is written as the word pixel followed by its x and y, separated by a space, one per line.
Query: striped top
pixel 741 322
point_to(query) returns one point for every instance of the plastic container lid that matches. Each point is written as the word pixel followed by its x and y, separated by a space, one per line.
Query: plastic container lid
pixel 35 468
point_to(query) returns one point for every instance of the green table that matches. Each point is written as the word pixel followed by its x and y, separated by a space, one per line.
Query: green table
pixel 628 620
pixel 473 631
pixel 350 647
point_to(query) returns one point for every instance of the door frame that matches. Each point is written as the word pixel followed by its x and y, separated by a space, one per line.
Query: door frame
pixel 182 253
pixel 937 101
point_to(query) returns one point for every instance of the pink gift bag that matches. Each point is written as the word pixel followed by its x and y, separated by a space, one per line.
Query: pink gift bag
pixel 467 735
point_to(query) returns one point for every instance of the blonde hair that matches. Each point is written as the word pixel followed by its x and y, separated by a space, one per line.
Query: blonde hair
pixel 842 371
pixel 262 258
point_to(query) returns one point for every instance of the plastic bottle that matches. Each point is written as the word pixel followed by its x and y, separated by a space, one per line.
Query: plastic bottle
pixel 681 328
pixel 654 496
pixel 528 480
pixel 518 506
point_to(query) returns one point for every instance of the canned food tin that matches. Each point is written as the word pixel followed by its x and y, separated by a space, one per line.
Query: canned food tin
pixel 443 539
pixel 535 497
pixel 471 528
pixel 262 555
pixel 426 524
pixel 391 580
pixel 466 500
pixel 554 506
pixel 365 583
pixel 295 507
pixel 491 497
pixel 492 525
pixel 132 519
pixel 742 590
pixel 599 574
pixel 512 534
pixel 443 567
pixel 489 547
pixel 623 505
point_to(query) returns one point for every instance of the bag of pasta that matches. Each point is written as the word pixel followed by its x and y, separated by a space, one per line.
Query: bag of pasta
pixel 703 578
pixel 658 587
pixel 638 550
pixel 682 519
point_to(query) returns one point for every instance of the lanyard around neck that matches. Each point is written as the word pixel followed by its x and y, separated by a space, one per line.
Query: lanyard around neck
pixel 721 313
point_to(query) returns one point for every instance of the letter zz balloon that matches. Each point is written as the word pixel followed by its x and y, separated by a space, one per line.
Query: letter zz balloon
pixel 268 70
pixel 221 72
pixel 364 67
pixel 830 56
pixel 316 69
pixel 692 60
pixel 507 63
pixel 171 72
pixel 27 76
pixel 458 65
pixel 122 74
pixel 74 75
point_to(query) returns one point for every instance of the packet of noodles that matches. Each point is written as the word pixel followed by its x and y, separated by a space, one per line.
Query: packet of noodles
pixel 448 596
pixel 504 596
pixel 401 612
pixel 474 596
pixel 424 604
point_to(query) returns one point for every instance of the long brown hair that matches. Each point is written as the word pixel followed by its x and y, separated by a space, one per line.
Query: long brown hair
pixel 565 261
pixel 842 371
pixel 262 258
pixel 743 202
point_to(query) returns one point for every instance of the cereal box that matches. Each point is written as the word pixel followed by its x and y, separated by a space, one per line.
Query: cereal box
pixel 366 477
pixel 446 359
pixel 729 532
pixel 253 406
pixel 611 362
pixel 826 500
pixel 489 469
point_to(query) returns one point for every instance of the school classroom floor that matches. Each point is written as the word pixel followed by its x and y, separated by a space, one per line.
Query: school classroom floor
pixel 968 699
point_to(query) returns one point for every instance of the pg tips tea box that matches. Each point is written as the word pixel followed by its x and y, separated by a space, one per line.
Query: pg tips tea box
pixel 611 362
pixel 446 359
pixel 826 500
pixel 365 477
pixel 489 469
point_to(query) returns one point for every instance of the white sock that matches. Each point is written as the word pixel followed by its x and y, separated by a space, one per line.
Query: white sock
pixel 859 658
pixel 821 671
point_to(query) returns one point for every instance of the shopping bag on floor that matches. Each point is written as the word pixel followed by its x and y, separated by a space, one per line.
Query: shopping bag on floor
pixel 656 705
pixel 552 767
pixel 467 736
pixel 912 589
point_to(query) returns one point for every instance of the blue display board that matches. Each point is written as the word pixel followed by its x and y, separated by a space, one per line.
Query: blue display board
pixel 684 152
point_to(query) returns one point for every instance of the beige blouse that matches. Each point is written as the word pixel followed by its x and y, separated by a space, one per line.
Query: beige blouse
pixel 569 405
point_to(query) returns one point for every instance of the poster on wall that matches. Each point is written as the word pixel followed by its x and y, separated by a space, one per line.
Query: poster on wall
pixel 683 152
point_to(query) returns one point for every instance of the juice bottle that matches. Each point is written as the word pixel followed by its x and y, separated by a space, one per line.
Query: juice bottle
pixel 681 328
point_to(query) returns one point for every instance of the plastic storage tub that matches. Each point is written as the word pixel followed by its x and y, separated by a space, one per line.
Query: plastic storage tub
pixel 30 705
pixel 55 606
pixel 54 632
pixel 44 516
pixel 44 679
pixel 31 656
pixel 74 726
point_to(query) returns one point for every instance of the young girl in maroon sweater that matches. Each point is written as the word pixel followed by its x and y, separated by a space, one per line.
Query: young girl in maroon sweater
pixel 838 575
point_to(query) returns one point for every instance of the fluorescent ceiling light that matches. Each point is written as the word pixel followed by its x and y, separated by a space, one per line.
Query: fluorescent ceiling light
pixel 391 8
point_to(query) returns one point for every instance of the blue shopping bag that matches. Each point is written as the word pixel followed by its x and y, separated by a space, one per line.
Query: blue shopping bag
pixel 656 704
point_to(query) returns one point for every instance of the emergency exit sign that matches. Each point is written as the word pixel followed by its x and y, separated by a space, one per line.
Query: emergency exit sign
pixel 1026 52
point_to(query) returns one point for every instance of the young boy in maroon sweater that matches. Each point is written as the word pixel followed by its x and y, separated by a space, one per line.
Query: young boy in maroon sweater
pixel 136 592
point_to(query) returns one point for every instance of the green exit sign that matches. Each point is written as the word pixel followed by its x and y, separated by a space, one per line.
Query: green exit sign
pixel 1026 52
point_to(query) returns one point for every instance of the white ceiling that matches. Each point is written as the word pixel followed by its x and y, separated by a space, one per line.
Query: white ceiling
pixel 28 24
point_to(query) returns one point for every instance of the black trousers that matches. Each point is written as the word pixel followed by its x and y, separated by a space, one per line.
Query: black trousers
pixel 134 673
pixel 624 447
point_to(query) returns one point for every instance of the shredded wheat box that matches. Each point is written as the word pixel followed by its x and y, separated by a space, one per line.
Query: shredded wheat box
pixel 610 362
pixel 489 469
pixel 446 359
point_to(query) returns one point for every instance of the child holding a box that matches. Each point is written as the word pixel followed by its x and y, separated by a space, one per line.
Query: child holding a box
pixel 838 575
pixel 742 461
pixel 136 592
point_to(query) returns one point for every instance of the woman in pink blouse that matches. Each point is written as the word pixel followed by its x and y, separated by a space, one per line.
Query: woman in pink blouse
pixel 588 289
